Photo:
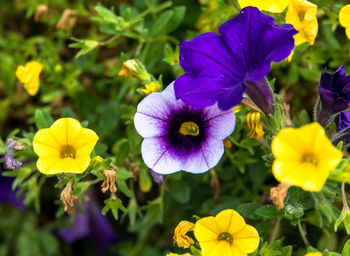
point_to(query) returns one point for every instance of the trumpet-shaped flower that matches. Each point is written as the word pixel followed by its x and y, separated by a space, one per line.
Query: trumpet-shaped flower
pixel 151 87
pixel 344 19
pixel 29 75
pixel 178 137
pixel 65 147
pixel 304 156
pixel 226 234
pixel 218 66
pixel 275 6
pixel 334 93
pixel 302 15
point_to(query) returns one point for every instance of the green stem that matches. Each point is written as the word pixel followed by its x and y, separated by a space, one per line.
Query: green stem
pixel 343 196
pixel 302 234
pixel 275 230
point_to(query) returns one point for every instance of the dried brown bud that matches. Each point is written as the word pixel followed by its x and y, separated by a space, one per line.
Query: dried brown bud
pixel 68 19
pixel 41 11
pixel 110 181
pixel 67 198
pixel 278 194
pixel 227 143
pixel 215 184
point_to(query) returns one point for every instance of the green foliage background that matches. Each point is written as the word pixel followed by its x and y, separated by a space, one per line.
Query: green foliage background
pixel 80 79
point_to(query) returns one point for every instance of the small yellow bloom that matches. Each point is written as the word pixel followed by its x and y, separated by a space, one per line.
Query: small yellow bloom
pixel 226 234
pixel 302 15
pixel 254 125
pixel 175 254
pixel 65 147
pixel 237 108
pixel 128 68
pixel 180 236
pixel 151 87
pixel 344 19
pixel 29 75
pixel 275 6
pixel 313 254
pixel 304 156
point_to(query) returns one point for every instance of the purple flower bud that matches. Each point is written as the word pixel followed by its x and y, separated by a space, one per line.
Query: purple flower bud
pixel 11 163
pixel 343 121
pixel 334 93
pixel 260 93
pixel 156 176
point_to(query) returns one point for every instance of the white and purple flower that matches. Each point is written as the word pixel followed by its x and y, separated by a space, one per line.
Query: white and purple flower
pixel 178 137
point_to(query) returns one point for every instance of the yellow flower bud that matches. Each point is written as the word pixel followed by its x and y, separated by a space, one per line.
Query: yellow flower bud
pixel 151 87
pixel 128 68
pixel 254 126
pixel 29 75
pixel 180 236
pixel 237 108
pixel 227 143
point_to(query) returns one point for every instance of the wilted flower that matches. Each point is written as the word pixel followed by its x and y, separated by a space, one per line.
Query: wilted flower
pixel 40 13
pixel 342 120
pixel 109 182
pixel 91 223
pixel 275 6
pixel 180 236
pixel 128 68
pixel 302 15
pixel 29 75
pixel 178 137
pixel 68 19
pixel 65 147
pixel 344 19
pixel 11 163
pixel 304 156
pixel 218 66
pixel 278 194
pixel 151 87
pixel 226 234
pixel 334 93
pixel 255 129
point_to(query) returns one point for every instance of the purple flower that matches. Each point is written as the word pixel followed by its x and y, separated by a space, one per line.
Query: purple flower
pixel 11 163
pixel 343 121
pixel 179 137
pixel 156 176
pixel 334 93
pixel 91 223
pixel 218 66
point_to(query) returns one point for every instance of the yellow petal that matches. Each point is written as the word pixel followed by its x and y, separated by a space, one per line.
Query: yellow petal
pixel 32 86
pixel 285 146
pixel 344 16
pixel 86 142
pixel 247 239
pixel 59 131
pixel 230 221
pixel 274 6
pixel 44 144
pixel 221 248
pixel 206 229
pixel 347 31
pixel 73 130
pixel 83 162
pixel 208 246
pixel 46 165
pixel 23 74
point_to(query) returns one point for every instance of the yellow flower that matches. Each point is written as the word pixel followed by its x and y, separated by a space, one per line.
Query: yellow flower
pixel 175 254
pixel 275 6
pixel 29 75
pixel 180 236
pixel 128 68
pixel 254 126
pixel 151 87
pixel 344 19
pixel 313 254
pixel 226 234
pixel 65 147
pixel 304 156
pixel 302 15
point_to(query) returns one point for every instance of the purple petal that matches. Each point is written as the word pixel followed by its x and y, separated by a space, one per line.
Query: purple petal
pixel 343 121
pixel 231 96
pixel 156 176
pixel 7 195
pixel 76 230
pixel 11 163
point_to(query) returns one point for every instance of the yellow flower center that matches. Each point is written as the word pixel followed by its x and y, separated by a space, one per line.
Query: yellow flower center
pixel 68 151
pixel 225 236
pixel 309 158
pixel 189 128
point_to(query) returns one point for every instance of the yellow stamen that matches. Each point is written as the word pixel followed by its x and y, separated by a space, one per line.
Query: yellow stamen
pixel 309 158
pixel 225 236
pixel 189 128
pixel 68 151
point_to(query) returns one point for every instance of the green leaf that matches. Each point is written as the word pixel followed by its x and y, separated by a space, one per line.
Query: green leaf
pixel 268 211
pixel 195 251
pixel 346 249
pixel 161 23
pixel 180 191
pixel 145 181
pixel 42 119
pixel 175 20
pixel 248 210
pixel 113 204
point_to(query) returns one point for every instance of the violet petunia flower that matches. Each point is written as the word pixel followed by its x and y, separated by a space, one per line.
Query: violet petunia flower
pixel 334 93
pixel 11 163
pixel 91 223
pixel 343 121
pixel 179 137
pixel 218 66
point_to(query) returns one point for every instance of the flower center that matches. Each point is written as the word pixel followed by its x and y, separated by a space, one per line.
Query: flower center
pixel 309 158
pixel 189 128
pixel 225 236
pixel 68 151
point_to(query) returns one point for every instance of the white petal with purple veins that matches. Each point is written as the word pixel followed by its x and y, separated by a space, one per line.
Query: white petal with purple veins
pixel 221 123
